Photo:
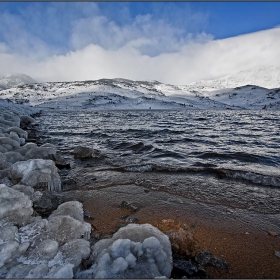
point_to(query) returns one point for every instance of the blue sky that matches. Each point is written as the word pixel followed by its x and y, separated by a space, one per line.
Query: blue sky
pixel 41 34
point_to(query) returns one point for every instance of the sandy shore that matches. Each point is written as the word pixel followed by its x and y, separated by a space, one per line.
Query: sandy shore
pixel 243 242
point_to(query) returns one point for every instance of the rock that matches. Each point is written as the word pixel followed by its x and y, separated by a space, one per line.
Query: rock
pixel 14 136
pixel 3 149
pixel 25 121
pixel 47 203
pixel 15 207
pixel 128 206
pixel 206 258
pixel 41 153
pixel 184 268
pixel 36 173
pixel 135 251
pixel 65 228
pixel 82 152
pixel 13 157
pixel 72 208
pixel 47 249
pixel 272 233
pixel 130 219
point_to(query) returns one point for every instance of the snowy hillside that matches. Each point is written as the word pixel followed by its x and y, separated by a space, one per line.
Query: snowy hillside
pixel 12 80
pixel 240 91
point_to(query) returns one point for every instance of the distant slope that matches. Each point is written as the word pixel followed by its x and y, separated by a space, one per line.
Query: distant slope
pixel 264 76
pixel 13 80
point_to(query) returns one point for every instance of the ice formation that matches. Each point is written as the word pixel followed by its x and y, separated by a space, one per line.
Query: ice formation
pixel 15 207
pixel 47 249
pixel 72 208
pixel 65 228
pixel 24 149
pixel 135 251
pixel 36 172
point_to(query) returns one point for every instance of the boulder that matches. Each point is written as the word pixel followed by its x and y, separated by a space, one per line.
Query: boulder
pixel 9 141
pixel 15 207
pixel 47 249
pixel 8 233
pixel 82 152
pixel 36 173
pixel 27 190
pixel 60 271
pixel 6 251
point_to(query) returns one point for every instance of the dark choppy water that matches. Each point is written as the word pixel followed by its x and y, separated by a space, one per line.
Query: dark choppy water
pixel 229 145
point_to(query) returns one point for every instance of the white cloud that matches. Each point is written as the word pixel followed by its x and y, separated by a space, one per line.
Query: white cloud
pixel 147 49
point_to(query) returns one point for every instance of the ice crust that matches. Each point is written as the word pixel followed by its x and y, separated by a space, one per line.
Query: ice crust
pixel 135 251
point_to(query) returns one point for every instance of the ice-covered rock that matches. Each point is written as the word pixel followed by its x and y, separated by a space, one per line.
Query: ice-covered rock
pixel 39 271
pixel 36 173
pixel 14 136
pixel 20 132
pixel 20 271
pixel 9 141
pixel 33 231
pixel 27 190
pixel 72 208
pixel 135 251
pixel 47 249
pixel 13 157
pixel 59 271
pixel 65 228
pixel 23 150
pixel 3 161
pixel 41 152
pixel 8 233
pixel 7 250
pixel 26 120
pixel 3 149
pixel 15 207
pixel 11 117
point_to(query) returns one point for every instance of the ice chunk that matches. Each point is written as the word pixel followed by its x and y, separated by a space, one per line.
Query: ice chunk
pixel 65 228
pixel 14 136
pixel 7 250
pixel 58 271
pixel 72 208
pixel 8 233
pixel 135 251
pixel 38 272
pixel 15 207
pixel 48 249
pixel 36 172
pixel 3 161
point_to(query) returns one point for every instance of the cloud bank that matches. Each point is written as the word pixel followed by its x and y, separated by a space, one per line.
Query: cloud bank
pixel 143 48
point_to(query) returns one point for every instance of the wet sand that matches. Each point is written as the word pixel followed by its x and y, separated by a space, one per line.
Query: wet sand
pixel 237 236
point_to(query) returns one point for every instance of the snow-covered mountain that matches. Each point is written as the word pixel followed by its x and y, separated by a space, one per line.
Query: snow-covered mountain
pixel 12 80
pixel 230 92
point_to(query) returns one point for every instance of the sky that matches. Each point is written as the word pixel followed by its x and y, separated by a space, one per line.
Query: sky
pixel 171 42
